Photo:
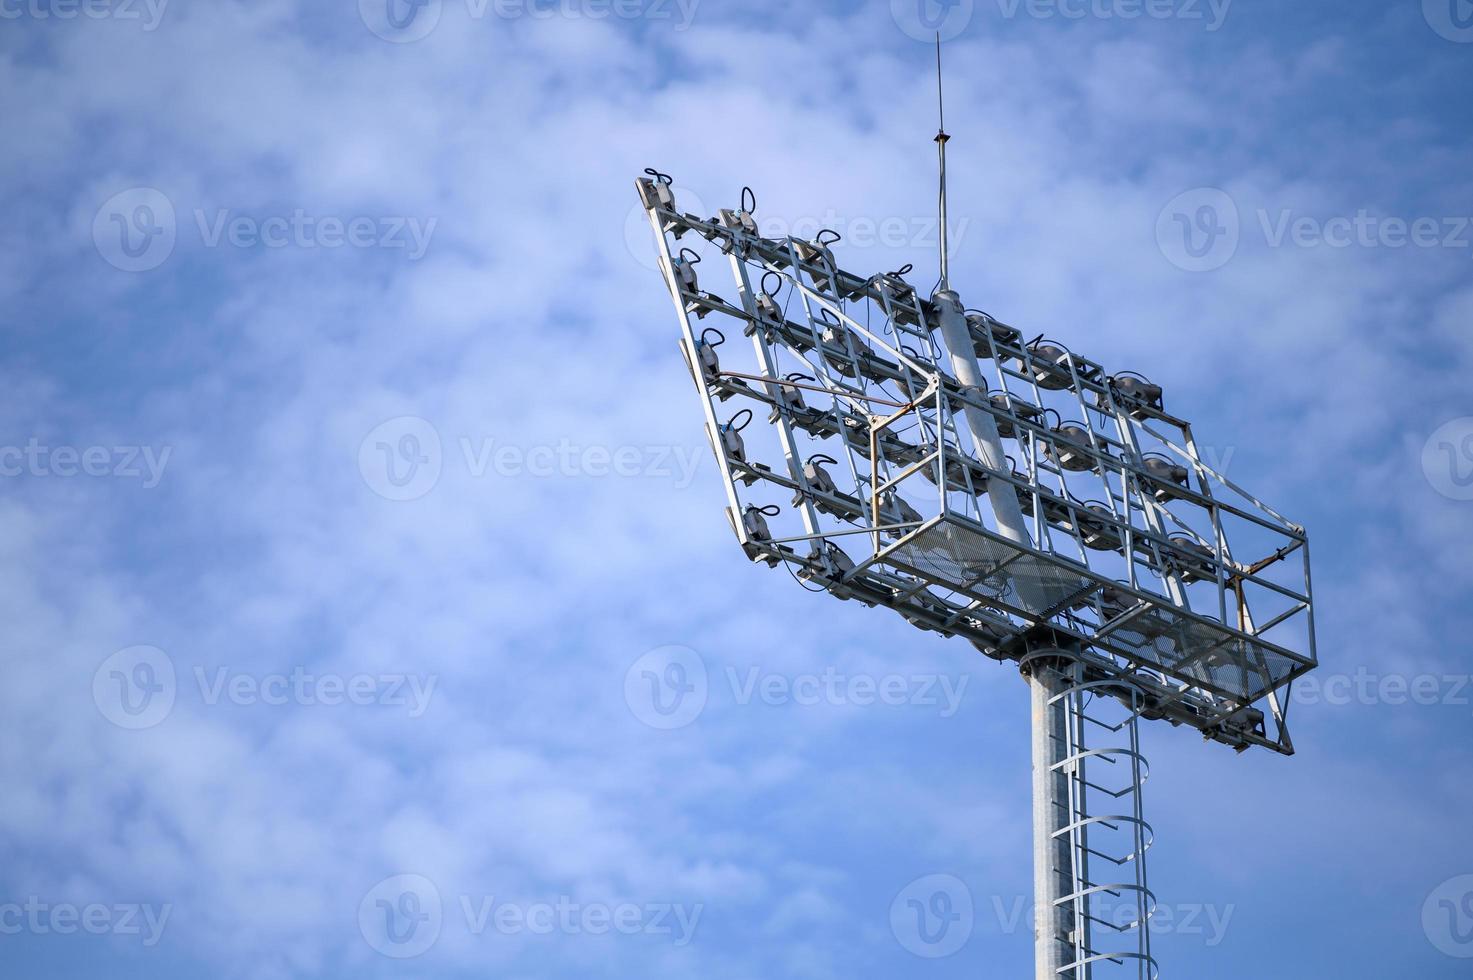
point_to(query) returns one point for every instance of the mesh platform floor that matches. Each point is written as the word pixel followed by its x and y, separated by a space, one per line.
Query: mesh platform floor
pixel 1156 634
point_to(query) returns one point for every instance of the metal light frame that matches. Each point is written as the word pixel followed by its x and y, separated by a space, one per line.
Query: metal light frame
pixel 1167 619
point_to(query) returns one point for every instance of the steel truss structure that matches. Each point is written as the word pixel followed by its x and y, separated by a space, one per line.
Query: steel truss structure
pixel 1051 513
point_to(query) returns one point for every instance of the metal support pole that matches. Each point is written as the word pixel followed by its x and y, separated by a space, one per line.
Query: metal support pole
pixel 1053 877
pixel 980 423
pixel 1053 874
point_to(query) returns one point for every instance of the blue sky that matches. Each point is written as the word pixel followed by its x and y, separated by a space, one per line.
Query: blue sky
pixel 351 472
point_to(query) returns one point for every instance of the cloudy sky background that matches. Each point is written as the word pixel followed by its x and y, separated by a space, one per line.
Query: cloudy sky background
pixel 265 541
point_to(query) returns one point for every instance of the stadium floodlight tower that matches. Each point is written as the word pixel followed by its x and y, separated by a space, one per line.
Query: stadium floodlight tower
pixel 1054 515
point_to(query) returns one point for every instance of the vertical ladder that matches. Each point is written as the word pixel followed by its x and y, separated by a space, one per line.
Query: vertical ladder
pixel 1093 900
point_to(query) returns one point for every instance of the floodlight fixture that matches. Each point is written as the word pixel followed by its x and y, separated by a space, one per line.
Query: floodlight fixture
pixel 1052 514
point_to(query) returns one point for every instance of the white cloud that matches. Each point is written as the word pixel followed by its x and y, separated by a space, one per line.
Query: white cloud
pixel 528 323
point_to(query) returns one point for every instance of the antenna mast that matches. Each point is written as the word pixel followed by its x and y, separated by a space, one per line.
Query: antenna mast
pixel 941 139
